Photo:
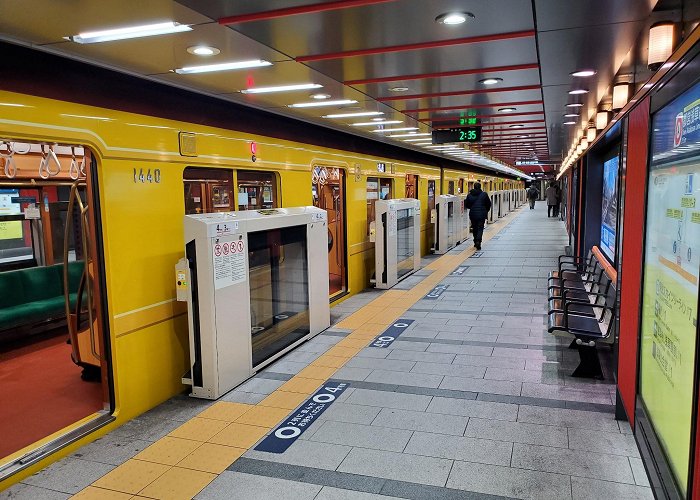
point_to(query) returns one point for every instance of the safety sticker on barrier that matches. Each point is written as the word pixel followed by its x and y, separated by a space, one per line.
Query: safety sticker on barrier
pixel 295 425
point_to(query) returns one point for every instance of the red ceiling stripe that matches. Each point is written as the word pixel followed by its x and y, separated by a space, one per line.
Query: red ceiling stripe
pixel 415 46
pixel 423 76
pixel 475 106
pixel 301 9
pixel 458 92
pixel 500 115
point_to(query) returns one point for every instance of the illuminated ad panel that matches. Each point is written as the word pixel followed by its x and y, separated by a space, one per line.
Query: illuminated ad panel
pixel 671 270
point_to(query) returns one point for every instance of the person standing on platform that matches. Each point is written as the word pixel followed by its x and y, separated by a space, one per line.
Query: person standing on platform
pixel 479 204
pixel 559 194
pixel 532 194
pixel 552 196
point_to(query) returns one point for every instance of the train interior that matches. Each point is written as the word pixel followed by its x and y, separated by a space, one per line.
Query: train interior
pixel 51 361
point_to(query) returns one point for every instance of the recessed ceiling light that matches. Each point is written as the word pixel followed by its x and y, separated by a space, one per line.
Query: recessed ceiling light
pixel 377 119
pixel 203 50
pixel 130 32
pixel 281 88
pixel 569 123
pixel 519 125
pixel 584 72
pixel 351 115
pixel 207 68
pixel 574 105
pixel 398 89
pixel 505 110
pixel 320 96
pixel 491 81
pixel 374 123
pixel 454 17
pixel 578 91
pixel 321 103
pixel 521 136
pixel 571 115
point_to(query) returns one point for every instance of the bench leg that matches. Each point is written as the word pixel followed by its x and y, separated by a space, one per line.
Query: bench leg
pixel 589 366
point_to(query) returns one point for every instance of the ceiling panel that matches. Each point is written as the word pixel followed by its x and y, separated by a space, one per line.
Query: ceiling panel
pixel 506 52
pixel 564 14
pixel 380 25
pixel 454 83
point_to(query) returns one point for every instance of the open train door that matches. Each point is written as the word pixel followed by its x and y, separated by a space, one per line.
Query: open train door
pixel 81 307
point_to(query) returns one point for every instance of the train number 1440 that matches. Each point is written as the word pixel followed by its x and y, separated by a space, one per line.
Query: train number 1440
pixel 140 176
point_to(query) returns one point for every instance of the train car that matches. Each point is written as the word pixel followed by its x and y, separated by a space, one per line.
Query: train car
pixel 104 192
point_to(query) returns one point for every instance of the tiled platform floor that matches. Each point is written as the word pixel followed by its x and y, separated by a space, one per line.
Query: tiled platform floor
pixel 474 401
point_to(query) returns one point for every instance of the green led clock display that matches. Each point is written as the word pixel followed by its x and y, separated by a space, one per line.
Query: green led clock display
pixel 460 134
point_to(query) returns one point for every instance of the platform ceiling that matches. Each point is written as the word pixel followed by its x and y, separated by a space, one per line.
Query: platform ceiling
pixel 362 49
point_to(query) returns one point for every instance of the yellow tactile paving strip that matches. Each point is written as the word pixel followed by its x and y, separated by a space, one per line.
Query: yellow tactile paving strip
pixel 181 464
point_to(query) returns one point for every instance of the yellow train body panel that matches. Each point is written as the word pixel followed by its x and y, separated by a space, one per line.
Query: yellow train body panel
pixel 142 225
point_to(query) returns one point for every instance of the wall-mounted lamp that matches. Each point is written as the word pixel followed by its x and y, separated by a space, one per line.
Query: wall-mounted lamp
pixel 621 93
pixel 591 133
pixel 601 119
pixel 660 44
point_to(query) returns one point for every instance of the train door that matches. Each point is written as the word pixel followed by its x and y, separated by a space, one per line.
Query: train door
pixel 431 212
pixel 54 365
pixel 208 190
pixel 411 186
pixel 328 190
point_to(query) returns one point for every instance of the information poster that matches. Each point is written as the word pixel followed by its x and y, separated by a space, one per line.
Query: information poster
pixel 608 227
pixel 671 273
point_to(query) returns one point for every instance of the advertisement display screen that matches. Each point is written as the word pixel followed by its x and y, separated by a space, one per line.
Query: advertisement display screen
pixel 671 273
pixel 608 226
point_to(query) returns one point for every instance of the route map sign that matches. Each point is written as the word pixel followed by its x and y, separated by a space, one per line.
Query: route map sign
pixel 671 275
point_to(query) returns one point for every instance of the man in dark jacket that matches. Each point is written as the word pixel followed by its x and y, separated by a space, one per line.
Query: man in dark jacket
pixel 479 204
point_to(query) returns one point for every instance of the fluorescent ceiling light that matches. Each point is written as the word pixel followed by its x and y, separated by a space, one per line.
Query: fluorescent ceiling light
pixel 376 122
pixel 281 88
pixel 320 96
pixel 569 123
pixel 419 139
pixel 398 89
pixel 13 105
pixel 506 110
pixel 410 135
pixel 578 91
pixel 571 115
pixel 574 105
pixel 321 103
pixel 208 68
pixel 400 129
pixel 130 32
pixel 351 115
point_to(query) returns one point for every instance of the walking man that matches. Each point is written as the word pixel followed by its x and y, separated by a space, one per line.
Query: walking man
pixel 532 194
pixel 479 204
pixel 552 196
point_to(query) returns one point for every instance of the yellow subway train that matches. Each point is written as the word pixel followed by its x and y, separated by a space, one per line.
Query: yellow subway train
pixel 91 225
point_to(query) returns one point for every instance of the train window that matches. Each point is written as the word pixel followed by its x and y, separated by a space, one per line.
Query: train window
pixel 377 189
pixel 256 190
pixel 451 187
pixel 411 186
pixel 460 186
pixel 208 190
pixel 328 191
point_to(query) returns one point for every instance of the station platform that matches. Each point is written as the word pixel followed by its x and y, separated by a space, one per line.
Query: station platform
pixel 474 400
